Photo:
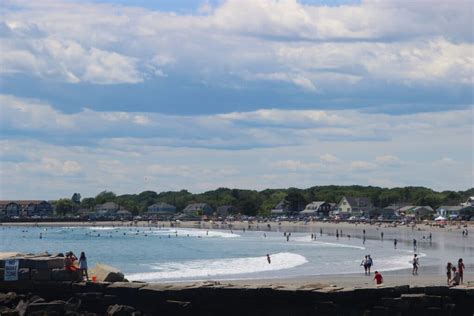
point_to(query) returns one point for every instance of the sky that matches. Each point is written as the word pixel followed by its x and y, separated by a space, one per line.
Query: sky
pixel 128 96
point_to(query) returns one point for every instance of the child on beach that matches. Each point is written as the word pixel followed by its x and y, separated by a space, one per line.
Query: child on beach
pixel 83 266
pixel 378 277
pixel 448 271
pixel 456 278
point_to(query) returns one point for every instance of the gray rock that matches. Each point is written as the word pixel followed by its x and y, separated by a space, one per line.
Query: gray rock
pixel 120 310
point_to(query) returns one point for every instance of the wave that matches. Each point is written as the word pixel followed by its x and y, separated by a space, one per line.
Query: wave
pixel 325 244
pixel 396 263
pixel 195 233
pixel 219 267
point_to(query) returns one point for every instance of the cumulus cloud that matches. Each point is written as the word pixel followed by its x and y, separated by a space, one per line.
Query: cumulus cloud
pixel 309 46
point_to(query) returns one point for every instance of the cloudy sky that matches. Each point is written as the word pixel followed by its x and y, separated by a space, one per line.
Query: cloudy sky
pixel 130 96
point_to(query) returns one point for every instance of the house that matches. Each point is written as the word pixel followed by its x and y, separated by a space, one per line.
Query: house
pixel 399 207
pixel 161 209
pixel 107 209
pixel 424 211
pixel 354 206
pixel 283 207
pixel 455 211
pixel 225 210
pixel 198 209
pixel 317 208
pixel 26 208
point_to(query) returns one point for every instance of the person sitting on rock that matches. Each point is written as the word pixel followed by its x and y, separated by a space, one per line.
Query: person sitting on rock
pixel 70 262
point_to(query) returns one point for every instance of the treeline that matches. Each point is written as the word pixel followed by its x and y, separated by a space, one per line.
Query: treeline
pixel 251 202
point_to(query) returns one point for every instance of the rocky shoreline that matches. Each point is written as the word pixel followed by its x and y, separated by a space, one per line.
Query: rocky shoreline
pixel 213 298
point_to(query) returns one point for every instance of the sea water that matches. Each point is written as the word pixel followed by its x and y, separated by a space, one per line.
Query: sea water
pixel 185 254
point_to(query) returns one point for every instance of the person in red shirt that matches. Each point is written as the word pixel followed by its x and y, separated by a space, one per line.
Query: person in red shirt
pixel 378 277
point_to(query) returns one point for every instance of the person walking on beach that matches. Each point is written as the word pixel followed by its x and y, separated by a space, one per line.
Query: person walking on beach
pixel 449 267
pixel 378 278
pixel 416 264
pixel 461 269
pixel 364 264
pixel 83 266
pixel 370 263
pixel 395 241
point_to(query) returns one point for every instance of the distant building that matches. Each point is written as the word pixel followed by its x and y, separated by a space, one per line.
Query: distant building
pixel 161 209
pixel 317 208
pixel 198 209
pixel 282 208
pixel 354 206
pixel 108 207
pixel 25 208
pixel 469 202
pixel 225 210
pixel 424 211
pixel 455 211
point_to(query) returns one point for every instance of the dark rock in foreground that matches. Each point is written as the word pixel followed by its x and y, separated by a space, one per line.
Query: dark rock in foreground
pixel 208 298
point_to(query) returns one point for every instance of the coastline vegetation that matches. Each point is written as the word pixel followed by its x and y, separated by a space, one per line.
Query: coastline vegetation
pixel 252 202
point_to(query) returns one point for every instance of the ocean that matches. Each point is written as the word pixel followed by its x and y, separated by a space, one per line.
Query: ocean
pixel 186 254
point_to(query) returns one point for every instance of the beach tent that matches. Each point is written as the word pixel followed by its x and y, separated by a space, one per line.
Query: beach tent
pixel 440 218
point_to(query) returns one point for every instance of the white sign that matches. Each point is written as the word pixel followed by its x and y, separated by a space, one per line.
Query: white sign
pixel 11 270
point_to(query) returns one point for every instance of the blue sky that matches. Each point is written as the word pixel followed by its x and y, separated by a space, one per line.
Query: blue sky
pixel 165 95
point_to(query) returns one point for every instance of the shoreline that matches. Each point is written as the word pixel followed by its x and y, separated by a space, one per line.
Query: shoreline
pixel 429 276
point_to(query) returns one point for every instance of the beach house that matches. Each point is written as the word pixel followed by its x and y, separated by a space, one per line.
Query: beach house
pixel 282 208
pixel 26 208
pixel 317 208
pixel 161 209
pixel 198 209
pixel 353 206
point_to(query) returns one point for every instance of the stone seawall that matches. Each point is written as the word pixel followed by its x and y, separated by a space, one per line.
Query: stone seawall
pixel 123 298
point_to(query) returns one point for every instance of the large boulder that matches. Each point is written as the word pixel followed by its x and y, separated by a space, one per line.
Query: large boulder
pixel 106 273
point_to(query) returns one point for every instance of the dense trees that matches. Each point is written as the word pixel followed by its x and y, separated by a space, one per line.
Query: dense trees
pixel 252 202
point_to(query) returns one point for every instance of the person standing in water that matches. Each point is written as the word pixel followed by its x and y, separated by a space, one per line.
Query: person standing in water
pixel 395 241
pixel 269 259
pixel 381 235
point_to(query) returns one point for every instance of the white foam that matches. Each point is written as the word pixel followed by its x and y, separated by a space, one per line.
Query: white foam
pixel 396 263
pixel 307 239
pixel 218 267
pixel 195 233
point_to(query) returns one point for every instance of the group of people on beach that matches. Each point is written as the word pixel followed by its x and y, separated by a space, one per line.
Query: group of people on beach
pixel 455 276
pixel 72 264
pixel 367 263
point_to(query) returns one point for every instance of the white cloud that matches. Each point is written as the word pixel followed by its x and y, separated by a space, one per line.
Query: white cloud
pixel 329 158
pixel 312 47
